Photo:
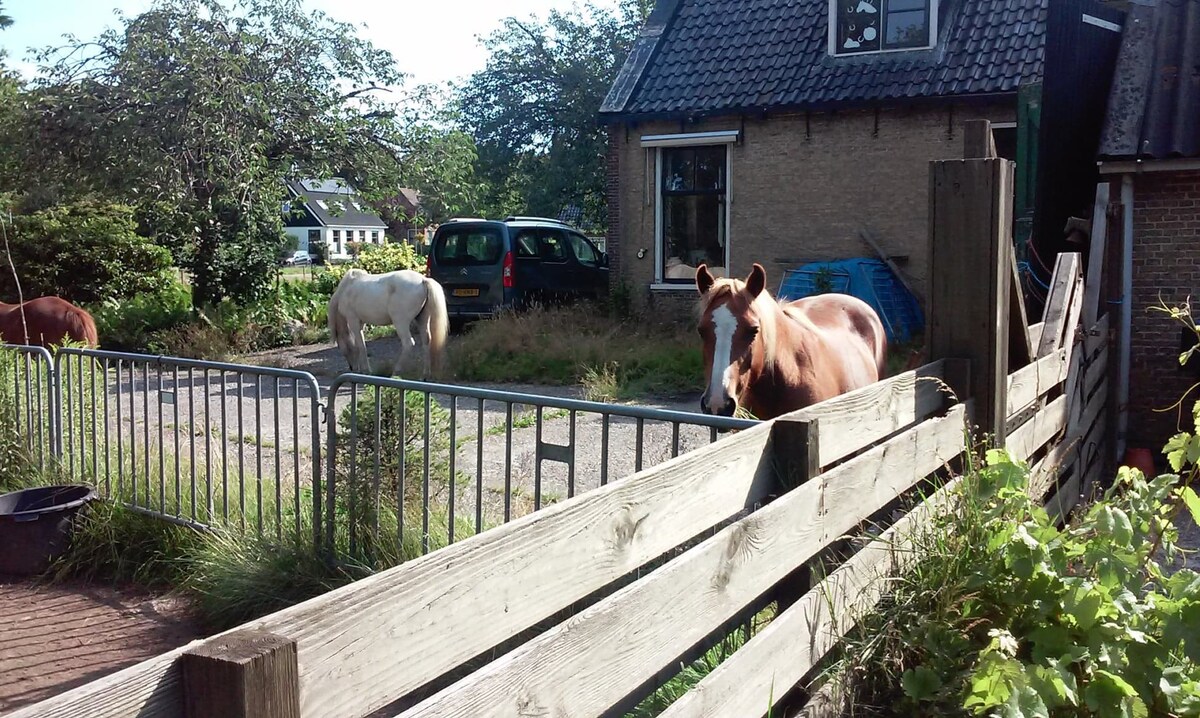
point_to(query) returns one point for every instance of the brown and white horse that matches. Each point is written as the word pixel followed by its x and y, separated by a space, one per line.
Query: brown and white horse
pixel 775 358
pixel 46 322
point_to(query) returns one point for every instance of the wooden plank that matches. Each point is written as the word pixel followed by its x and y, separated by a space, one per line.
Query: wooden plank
pixel 1096 372
pixel 247 674
pixel 1058 301
pixel 1065 499
pixel 1071 328
pixel 1035 334
pixel 861 418
pixel 970 219
pixel 782 653
pixel 588 664
pixel 1024 441
pixel 150 689
pixel 1096 254
pixel 1027 385
pixel 865 234
pixel 978 140
pixel 1020 348
pixel 1044 473
pixel 363 645
pixel 1097 336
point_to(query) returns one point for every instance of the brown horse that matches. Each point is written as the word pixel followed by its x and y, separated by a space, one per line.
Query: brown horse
pixel 775 358
pixel 46 322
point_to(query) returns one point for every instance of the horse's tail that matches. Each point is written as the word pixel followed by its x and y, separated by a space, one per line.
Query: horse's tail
pixel 439 323
pixel 84 328
pixel 338 329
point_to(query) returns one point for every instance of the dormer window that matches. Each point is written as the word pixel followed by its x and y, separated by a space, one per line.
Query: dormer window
pixel 858 26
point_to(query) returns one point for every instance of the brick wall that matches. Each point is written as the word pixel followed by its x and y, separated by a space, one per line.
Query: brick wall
pixel 612 190
pixel 799 190
pixel 1166 262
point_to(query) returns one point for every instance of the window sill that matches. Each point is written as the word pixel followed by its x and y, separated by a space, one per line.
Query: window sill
pixel 681 287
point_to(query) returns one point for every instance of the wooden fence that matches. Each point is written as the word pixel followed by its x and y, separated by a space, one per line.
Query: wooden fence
pixel 578 609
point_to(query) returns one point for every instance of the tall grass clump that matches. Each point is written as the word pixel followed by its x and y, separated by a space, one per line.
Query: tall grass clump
pixel 616 358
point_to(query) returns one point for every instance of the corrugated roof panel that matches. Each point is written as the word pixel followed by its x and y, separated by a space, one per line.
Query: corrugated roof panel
pixel 1154 104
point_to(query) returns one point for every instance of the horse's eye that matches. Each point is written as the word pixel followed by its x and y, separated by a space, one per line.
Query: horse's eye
pixel 752 331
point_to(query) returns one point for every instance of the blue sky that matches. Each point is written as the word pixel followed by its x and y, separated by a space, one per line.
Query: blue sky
pixel 432 40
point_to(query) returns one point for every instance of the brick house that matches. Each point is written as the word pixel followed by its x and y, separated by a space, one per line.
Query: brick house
pixel 771 131
pixel 1150 154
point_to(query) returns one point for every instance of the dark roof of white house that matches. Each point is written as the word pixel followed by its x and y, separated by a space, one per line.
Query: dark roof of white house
pixel 333 204
pixel 1154 103
pixel 707 57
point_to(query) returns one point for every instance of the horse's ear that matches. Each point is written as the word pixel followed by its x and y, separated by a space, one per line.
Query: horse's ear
pixel 704 279
pixel 757 281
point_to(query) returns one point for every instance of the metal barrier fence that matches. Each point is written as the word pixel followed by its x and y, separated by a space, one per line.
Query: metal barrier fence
pixel 196 442
pixel 407 466
pixel 29 376
pixel 400 452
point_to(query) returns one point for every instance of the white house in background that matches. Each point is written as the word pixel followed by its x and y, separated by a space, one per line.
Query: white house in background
pixel 330 212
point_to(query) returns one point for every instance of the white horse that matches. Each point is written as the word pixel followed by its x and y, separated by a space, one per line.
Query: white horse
pixel 396 298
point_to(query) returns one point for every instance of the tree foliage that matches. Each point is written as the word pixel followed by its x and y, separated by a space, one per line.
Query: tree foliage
pixel 532 109
pixel 84 251
pixel 198 112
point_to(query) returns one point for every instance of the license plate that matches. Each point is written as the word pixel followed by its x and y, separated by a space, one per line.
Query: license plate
pixel 466 292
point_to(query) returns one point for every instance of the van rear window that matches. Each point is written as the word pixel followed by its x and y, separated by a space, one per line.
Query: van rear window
pixel 467 247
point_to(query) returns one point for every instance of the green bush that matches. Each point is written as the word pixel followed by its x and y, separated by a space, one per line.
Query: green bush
pixel 1007 613
pixel 132 324
pixel 86 251
pixel 372 258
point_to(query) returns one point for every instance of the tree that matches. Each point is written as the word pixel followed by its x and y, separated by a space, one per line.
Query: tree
pixel 532 109
pixel 86 251
pixel 198 113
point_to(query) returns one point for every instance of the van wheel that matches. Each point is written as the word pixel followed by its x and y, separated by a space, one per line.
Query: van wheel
pixel 457 325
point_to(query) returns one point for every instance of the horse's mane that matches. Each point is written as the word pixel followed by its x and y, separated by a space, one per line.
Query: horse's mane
pixel 765 306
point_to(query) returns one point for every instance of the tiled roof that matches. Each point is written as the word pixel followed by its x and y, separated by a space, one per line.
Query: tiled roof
pixel 331 204
pixel 1154 104
pixel 713 56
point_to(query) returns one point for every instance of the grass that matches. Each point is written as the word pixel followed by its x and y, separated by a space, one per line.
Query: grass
pixel 615 359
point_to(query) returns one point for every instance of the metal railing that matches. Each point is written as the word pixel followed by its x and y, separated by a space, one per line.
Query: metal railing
pixel 197 442
pixel 380 471
pixel 401 451
pixel 29 380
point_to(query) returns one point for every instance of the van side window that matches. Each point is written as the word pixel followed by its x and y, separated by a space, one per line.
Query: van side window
pixel 551 248
pixel 526 243
pixel 583 251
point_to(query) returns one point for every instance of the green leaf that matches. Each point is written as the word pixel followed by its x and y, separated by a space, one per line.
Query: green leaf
pixel 1085 605
pixel 1192 501
pixel 1176 450
pixel 920 683
pixel 1110 695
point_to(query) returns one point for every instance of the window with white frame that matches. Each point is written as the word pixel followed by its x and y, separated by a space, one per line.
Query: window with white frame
pixel 337 241
pixel 692 193
pixel 858 26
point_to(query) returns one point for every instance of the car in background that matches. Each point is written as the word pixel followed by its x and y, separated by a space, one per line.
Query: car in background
pixel 486 266
pixel 298 258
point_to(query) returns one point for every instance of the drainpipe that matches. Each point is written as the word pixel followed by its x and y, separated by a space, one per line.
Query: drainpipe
pixel 1126 314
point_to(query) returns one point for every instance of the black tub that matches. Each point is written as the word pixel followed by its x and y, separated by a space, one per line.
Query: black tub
pixel 35 525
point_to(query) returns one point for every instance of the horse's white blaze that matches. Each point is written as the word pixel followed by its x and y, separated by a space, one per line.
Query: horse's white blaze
pixel 724 325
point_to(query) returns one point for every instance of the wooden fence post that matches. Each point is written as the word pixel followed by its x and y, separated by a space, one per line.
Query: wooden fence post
pixel 970 277
pixel 246 674
pixel 796 451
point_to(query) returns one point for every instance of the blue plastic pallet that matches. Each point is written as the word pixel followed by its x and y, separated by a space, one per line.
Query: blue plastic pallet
pixel 868 279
